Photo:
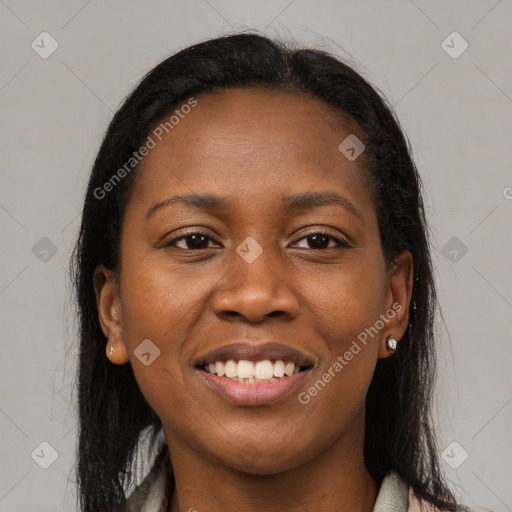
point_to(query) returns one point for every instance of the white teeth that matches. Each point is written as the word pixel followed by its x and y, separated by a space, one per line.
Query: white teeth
pixel 249 371
pixel 219 368
pixel 264 369
pixel 245 369
pixel 279 369
pixel 289 368
pixel 231 368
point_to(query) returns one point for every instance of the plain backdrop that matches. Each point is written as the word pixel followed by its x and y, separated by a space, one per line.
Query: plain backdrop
pixel 455 104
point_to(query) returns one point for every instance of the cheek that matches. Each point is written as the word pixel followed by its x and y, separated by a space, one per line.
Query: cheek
pixel 346 307
pixel 163 305
pixel 159 301
pixel 347 301
pixel 152 308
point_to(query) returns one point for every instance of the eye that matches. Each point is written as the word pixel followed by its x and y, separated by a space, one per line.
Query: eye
pixel 191 241
pixel 321 240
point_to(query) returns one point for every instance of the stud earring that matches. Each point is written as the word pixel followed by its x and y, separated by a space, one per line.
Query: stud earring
pixel 391 343
pixel 111 349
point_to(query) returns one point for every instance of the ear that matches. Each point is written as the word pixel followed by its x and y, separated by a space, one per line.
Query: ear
pixel 108 303
pixel 397 302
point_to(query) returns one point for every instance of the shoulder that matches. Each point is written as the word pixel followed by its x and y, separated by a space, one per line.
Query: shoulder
pixel 418 505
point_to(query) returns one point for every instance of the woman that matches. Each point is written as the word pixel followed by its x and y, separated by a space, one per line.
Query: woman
pixel 256 294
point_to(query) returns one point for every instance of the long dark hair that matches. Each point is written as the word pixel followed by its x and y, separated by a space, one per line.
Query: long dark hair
pixel 113 413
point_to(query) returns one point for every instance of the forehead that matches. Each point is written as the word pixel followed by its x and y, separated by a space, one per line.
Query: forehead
pixel 245 142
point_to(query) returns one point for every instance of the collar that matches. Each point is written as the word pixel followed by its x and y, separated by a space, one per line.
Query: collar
pixel 393 495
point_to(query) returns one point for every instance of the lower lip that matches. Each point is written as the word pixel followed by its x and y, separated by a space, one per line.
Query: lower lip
pixel 258 393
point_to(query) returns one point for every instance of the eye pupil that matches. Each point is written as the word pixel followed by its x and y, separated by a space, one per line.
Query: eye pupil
pixel 319 241
pixel 196 241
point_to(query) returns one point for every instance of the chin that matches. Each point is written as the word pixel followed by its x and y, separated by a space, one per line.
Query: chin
pixel 255 461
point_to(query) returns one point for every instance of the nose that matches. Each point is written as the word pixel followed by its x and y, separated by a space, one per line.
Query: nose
pixel 255 291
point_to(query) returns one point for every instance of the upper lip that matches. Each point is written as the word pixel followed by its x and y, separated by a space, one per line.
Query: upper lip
pixel 256 352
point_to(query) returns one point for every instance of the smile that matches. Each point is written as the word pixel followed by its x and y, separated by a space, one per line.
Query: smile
pixel 246 383
pixel 252 372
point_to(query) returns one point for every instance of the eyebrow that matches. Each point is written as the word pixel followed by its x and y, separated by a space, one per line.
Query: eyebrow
pixel 291 204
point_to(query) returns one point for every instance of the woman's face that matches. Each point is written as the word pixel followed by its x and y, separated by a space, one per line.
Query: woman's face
pixel 271 254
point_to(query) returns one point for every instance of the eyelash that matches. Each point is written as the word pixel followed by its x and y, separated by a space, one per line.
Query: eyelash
pixel 341 243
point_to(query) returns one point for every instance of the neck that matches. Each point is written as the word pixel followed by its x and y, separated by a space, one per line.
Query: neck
pixel 336 479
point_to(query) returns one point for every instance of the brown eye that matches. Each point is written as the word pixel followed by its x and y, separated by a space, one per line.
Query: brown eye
pixel 191 241
pixel 321 240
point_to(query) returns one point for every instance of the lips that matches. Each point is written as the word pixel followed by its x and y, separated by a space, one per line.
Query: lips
pixel 248 374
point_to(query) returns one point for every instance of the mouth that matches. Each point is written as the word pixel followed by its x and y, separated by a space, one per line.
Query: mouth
pixel 250 375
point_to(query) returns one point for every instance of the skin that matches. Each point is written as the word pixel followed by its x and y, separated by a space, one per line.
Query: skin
pixel 254 147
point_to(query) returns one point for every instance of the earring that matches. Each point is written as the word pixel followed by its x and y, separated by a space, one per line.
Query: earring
pixel 391 342
pixel 111 349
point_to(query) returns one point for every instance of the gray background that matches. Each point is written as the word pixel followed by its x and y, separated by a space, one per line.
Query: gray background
pixel 55 112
